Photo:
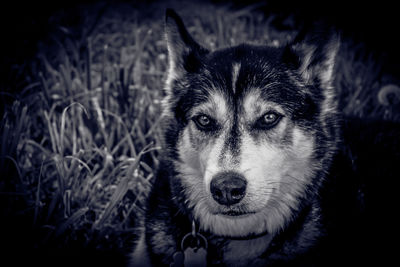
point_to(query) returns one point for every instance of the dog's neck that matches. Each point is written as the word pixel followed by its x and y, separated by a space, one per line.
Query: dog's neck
pixel 246 251
pixel 257 250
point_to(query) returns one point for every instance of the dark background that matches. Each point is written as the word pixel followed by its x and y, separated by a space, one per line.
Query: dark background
pixel 25 24
pixel 375 23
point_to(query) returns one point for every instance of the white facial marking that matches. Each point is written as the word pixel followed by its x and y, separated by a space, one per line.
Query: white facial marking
pixel 277 165
pixel 254 108
pixel 235 75
pixel 216 107
pixel 276 178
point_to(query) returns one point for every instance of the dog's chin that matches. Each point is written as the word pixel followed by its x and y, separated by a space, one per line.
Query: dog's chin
pixel 233 224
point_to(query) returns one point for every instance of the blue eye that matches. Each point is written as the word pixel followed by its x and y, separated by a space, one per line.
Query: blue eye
pixel 205 123
pixel 268 121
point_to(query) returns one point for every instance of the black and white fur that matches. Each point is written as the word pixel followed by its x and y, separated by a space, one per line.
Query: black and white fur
pixel 265 118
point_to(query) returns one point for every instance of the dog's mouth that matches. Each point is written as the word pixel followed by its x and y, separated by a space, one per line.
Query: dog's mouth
pixel 234 213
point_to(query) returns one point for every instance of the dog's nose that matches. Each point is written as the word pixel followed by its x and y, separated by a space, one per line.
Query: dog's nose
pixel 228 188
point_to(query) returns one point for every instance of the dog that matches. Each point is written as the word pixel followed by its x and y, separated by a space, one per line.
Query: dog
pixel 252 137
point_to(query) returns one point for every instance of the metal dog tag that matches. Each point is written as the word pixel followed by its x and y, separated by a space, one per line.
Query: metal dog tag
pixel 195 257
pixel 193 250
pixel 177 259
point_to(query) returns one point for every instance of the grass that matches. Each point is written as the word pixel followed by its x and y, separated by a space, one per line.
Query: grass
pixel 80 143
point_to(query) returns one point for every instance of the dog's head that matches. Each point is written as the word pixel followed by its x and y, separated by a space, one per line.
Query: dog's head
pixel 249 129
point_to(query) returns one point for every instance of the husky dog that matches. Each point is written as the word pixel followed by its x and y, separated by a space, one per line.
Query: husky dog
pixel 251 133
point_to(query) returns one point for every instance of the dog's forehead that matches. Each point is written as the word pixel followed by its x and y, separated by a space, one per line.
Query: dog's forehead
pixel 248 77
pixel 245 65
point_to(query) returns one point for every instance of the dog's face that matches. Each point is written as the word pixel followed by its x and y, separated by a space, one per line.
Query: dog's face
pixel 251 128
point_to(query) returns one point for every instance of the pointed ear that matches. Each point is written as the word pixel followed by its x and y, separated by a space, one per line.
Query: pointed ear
pixel 183 51
pixel 315 58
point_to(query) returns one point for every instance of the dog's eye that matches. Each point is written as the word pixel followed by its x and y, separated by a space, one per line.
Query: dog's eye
pixel 204 122
pixel 268 120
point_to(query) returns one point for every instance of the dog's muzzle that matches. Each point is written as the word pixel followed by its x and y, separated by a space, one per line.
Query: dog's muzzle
pixel 228 188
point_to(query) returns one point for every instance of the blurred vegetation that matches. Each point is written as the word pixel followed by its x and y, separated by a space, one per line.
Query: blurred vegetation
pixel 81 135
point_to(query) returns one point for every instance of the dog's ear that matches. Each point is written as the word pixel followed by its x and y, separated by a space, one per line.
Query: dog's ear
pixel 183 51
pixel 314 58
